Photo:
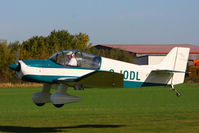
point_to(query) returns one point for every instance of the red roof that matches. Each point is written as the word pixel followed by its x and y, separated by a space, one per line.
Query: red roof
pixel 150 48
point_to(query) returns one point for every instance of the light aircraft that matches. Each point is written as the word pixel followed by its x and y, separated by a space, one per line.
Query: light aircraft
pixel 99 72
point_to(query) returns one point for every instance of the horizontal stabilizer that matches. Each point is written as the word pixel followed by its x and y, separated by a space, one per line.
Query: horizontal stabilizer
pixel 159 77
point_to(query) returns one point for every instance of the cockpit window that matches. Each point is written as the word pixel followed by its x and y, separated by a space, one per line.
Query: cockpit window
pixel 76 59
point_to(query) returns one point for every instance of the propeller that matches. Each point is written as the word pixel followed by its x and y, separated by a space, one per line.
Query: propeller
pixel 17 66
pixel 17 56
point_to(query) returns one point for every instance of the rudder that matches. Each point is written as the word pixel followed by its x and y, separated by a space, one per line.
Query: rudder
pixel 176 60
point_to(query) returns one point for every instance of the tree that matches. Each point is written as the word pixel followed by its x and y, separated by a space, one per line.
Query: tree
pixel 5 60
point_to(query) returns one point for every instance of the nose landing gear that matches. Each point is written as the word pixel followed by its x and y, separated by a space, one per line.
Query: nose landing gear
pixel 40 98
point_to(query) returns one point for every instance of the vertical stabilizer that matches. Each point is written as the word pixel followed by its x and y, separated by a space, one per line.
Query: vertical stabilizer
pixel 176 60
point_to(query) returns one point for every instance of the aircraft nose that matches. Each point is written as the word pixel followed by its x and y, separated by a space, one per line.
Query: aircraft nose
pixel 15 67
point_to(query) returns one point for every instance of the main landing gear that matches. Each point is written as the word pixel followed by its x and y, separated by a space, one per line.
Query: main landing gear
pixel 58 99
pixel 61 97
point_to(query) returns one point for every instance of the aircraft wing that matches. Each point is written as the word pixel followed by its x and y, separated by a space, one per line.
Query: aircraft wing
pixel 99 79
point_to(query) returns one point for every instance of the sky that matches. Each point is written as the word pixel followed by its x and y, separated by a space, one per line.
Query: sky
pixel 105 21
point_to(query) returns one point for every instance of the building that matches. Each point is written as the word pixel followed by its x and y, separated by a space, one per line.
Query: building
pixel 148 54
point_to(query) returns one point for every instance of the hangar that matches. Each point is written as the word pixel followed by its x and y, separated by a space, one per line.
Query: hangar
pixel 150 54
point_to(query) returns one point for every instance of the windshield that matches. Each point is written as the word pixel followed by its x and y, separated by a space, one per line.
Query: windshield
pixel 76 59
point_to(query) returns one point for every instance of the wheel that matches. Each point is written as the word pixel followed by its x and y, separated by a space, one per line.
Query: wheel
pixel 58 105
pixel 178 94
pixel 39 104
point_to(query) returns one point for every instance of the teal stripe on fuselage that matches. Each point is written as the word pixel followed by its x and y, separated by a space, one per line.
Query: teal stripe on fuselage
pixel 129 84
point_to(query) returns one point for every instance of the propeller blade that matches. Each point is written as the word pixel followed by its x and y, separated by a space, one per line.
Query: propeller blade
pixel 17 56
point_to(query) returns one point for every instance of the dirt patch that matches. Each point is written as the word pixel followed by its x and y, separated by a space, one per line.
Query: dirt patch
pixel 18 85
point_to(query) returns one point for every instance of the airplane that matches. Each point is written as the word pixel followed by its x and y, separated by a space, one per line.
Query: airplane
pixel 99 72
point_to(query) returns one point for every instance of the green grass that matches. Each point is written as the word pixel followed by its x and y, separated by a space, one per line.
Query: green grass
pixel 139 110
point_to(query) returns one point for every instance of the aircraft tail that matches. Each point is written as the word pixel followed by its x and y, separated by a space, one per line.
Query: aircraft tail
pixel 176 62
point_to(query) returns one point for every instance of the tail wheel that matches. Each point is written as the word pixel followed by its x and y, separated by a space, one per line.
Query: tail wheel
pixel 178 94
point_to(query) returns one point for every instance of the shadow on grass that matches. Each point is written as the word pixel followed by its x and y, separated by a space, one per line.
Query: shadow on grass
pixel 18 129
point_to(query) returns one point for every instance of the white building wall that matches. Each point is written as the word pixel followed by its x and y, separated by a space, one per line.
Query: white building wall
pixel 153 60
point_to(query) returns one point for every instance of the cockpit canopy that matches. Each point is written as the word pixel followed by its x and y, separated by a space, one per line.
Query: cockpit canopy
pixel 84 60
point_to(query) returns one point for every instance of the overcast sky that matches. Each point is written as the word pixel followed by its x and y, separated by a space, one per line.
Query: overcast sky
pixel 105 21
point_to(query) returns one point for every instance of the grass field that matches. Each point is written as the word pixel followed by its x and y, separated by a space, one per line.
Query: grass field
pixel 139 110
